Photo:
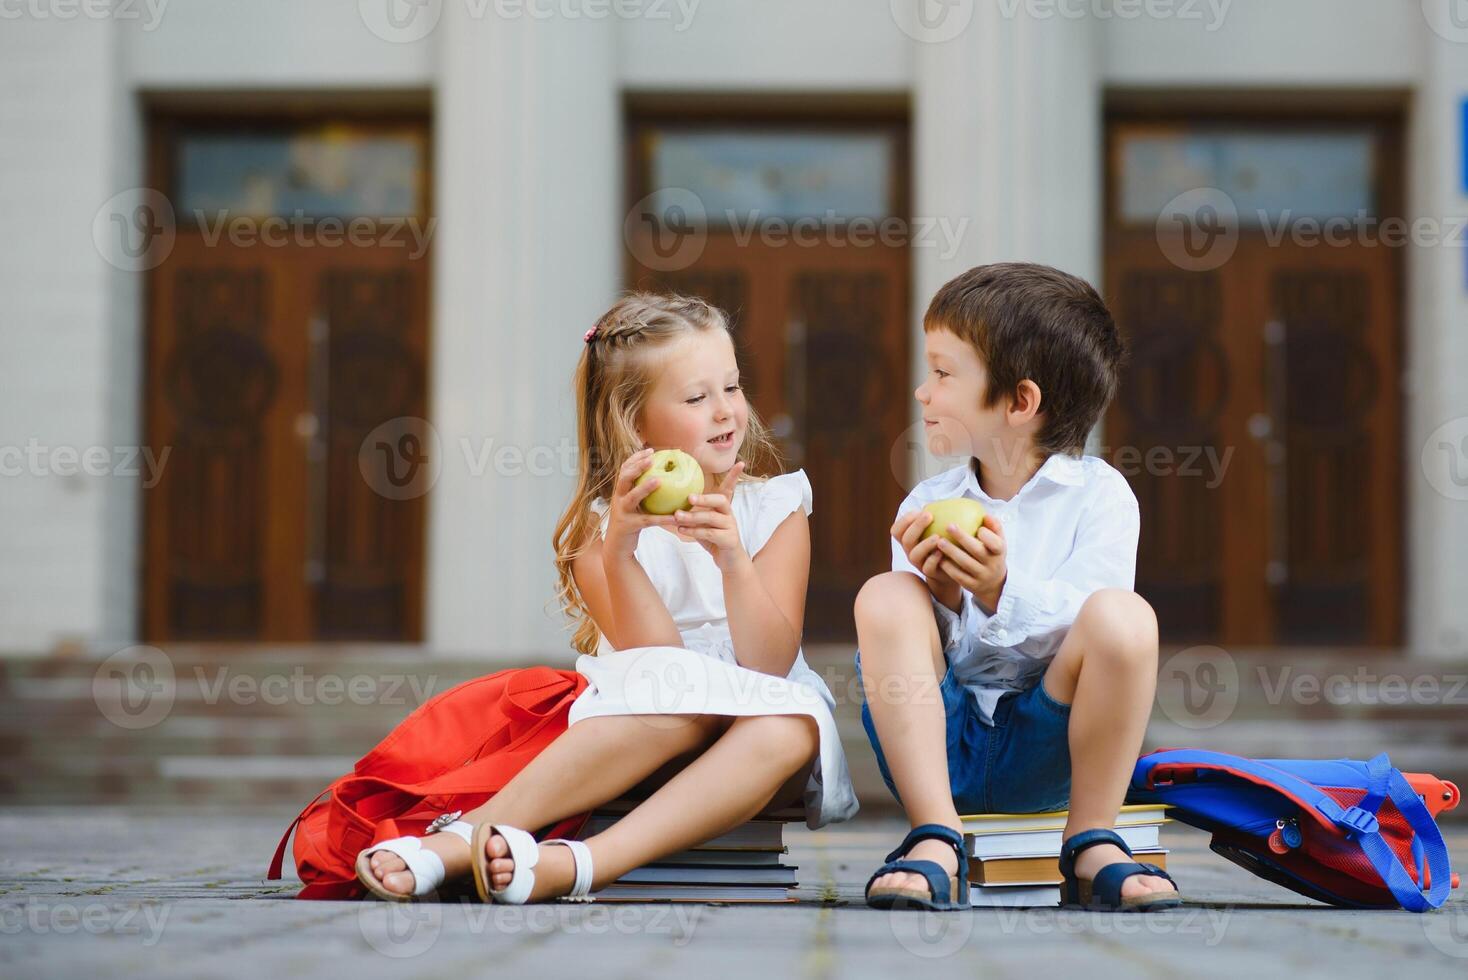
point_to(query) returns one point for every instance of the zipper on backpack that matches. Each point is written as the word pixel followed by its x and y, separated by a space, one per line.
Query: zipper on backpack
pixel 1286 836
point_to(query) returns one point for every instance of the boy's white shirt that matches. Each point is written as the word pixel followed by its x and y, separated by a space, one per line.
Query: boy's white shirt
pixel 1071 530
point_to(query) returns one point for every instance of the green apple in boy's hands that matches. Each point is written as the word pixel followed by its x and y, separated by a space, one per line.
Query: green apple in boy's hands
pixel 977 562
pixel 914 532
pixel 679 476
pixel 973 560
pixel 967 514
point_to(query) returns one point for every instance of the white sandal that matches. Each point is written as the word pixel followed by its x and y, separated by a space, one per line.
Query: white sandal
pixel 426 866
pixel 525 852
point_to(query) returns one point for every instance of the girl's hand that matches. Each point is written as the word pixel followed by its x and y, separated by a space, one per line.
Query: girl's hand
pixel 710 521
pixel 625 519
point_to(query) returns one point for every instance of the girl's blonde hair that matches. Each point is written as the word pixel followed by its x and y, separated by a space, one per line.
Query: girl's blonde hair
pixel 611 384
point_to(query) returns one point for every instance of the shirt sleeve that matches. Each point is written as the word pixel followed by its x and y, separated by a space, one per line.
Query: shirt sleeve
pixel 778 498
pixel 954 626
pixel 899 557
pixel 1104 556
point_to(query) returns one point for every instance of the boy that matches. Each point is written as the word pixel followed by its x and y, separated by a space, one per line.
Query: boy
pixel 1013 670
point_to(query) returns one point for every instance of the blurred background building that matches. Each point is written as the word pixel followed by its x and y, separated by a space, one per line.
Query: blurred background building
pixel 293 291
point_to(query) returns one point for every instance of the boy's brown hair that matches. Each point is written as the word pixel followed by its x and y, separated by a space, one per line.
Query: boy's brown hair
pixel 1036 322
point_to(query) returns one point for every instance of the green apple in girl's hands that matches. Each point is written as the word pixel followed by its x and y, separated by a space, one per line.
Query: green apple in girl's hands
pixel 967 514
pixel 679 476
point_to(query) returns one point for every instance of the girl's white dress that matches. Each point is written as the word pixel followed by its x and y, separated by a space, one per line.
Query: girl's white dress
pixel 702 677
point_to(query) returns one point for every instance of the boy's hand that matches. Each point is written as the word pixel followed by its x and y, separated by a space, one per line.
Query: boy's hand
pixel 976 562
pixel 925 557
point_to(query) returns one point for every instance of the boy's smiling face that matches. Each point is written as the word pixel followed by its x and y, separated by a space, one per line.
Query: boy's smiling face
pixel 955 420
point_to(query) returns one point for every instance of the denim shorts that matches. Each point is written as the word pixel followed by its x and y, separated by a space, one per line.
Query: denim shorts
pixel 1020 764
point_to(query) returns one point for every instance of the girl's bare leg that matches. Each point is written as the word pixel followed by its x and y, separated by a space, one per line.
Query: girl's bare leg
pixel 752 763
pixel 590 763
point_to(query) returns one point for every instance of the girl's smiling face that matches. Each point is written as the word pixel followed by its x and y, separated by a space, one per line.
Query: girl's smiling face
pixel 696 404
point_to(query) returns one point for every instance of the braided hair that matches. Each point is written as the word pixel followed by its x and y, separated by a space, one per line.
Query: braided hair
pixel 611 384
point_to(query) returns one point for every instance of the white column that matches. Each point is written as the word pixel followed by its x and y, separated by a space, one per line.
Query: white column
pixel 1435 455
pixel 1007 135
pixel 526 255
pixel 69 347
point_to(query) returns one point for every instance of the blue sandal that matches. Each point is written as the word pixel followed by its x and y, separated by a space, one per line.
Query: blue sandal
pixel 941 885
pixel 1104 893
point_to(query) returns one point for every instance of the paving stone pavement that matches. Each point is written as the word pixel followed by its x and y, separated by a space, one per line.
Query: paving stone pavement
pixel 101 892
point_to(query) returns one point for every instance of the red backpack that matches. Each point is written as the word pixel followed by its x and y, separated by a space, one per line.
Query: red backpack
pixel 454 751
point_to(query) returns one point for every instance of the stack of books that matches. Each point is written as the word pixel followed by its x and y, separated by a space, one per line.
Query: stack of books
pixel 1014 858
pixel 744 865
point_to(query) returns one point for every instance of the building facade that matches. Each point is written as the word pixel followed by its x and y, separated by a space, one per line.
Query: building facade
pixel 540 132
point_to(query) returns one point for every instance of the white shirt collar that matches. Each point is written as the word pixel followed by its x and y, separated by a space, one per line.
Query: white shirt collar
pixel 1058 468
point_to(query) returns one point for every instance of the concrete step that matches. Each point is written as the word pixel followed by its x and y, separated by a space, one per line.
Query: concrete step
pixel 277 724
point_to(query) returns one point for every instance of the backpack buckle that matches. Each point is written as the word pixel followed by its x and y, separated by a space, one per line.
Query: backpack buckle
pixel 1358 821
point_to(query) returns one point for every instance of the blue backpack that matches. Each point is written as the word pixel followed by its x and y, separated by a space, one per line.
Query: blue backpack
pixel 1351 834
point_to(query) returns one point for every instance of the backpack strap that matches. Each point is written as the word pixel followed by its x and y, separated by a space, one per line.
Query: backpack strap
pixel 1353 821
pixel 1378 783
pixel 1437 867
pixel 277 863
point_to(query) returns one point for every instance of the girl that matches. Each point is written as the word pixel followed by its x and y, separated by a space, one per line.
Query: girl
pixel 688 625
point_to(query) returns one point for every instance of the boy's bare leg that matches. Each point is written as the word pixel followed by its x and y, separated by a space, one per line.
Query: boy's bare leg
pixel 902 664
pixel 590 763
pixel 724 787
pixel 1106 670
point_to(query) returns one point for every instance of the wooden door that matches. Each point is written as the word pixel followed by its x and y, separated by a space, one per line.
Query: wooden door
pixel 1334 449
pixel 820 305
pixel 1267 393
pixel 267 369
pixel 1178 389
